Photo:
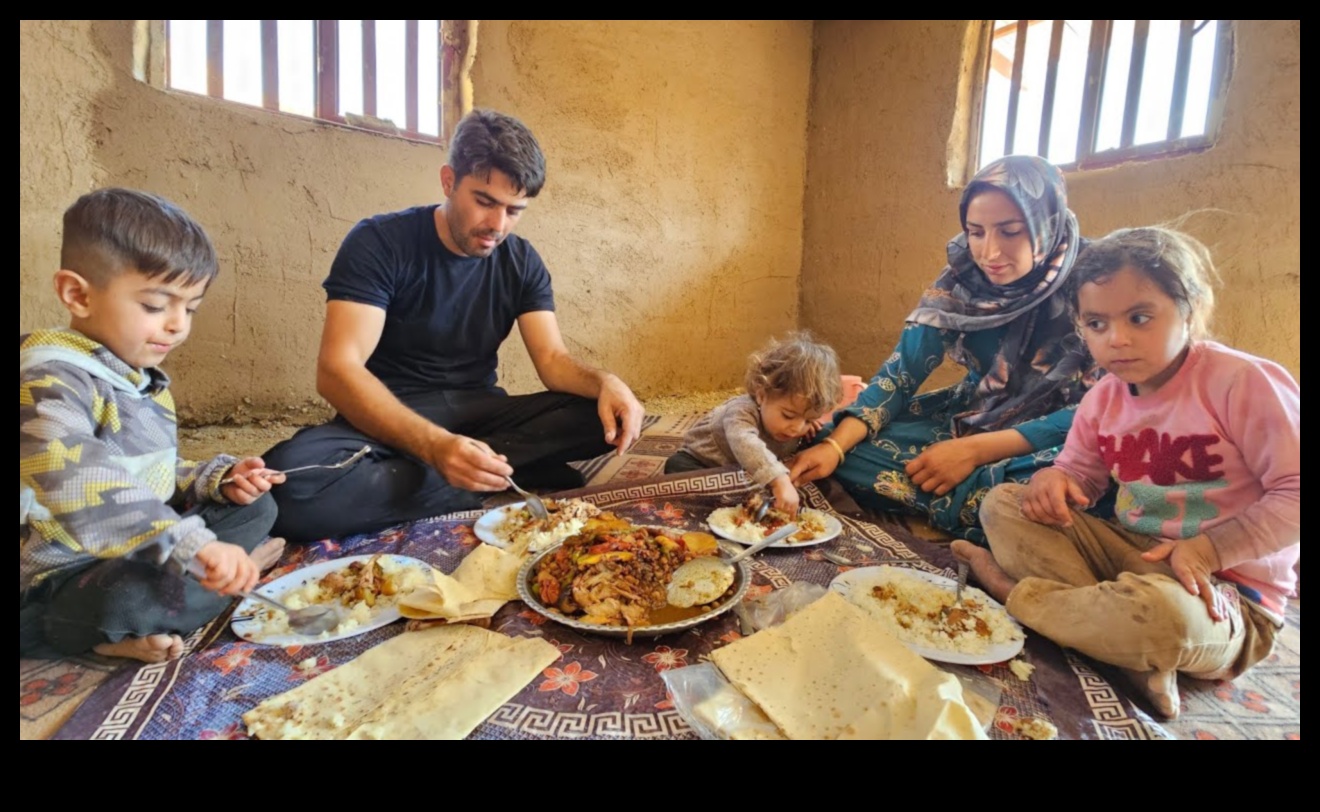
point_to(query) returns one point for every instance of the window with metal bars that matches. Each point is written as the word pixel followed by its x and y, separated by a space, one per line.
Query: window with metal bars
pixel 1088 93
pixel 386 75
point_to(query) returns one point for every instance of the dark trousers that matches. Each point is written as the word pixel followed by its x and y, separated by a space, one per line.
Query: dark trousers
pixel 539 433
pixel 72 612
pixel 683 462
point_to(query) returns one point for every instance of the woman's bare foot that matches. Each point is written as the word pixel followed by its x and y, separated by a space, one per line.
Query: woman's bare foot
pixel 267 553
pixel 154 648
pixel 986 570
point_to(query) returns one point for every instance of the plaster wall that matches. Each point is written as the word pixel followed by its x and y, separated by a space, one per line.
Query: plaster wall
pixel 879 209
pixel 671 220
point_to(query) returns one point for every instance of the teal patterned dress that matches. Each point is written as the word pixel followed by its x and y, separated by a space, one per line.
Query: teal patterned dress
pixel 900 424
pixel 1027 366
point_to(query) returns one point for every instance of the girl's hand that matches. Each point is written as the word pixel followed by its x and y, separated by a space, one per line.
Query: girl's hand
pixel 251 479
pixel 786 496
pixel 1192 561
pixel 1050 496
pixel 942 466
pixel 813 426
pixel 812 463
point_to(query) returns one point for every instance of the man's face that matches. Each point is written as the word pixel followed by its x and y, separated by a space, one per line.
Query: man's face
pixel 479 212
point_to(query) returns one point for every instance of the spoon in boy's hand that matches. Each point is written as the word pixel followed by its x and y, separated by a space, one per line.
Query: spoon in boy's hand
pixel 310 620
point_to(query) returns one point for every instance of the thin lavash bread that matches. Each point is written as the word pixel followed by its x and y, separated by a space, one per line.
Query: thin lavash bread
pixel 830 671
pixel 439 683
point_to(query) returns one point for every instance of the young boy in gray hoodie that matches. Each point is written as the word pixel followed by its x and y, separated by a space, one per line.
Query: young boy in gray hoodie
pixel 110 519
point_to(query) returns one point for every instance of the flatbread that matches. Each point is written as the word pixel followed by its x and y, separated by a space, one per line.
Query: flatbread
pixel 439 683
pixel 832 672
pixel 485 581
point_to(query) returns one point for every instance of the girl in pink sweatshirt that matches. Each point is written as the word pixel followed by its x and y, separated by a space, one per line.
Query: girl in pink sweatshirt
pixel 1193 572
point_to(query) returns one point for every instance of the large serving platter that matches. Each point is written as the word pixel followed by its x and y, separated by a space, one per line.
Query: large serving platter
pixel 741 581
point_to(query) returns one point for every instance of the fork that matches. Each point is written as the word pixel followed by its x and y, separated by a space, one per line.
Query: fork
pixel 534 504
pixel 362 452
pixel 957 594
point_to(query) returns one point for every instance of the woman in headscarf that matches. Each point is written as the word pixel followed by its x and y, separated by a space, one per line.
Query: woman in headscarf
pixel 999 309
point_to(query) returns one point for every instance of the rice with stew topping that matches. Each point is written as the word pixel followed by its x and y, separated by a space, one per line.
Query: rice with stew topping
pixel 911 608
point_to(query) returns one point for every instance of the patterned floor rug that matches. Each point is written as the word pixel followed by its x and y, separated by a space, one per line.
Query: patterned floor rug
pixel 594 691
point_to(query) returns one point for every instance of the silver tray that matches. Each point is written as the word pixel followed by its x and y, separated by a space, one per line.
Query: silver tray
pixel 742 578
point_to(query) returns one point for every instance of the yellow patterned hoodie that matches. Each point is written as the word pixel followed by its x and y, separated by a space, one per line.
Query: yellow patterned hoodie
pixel 99 470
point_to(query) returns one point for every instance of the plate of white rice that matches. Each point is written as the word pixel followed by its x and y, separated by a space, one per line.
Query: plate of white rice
pixel 908 602
pixel 513 524
pixel 814 527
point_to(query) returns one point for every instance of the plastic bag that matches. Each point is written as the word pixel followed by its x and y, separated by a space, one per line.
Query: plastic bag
pixel 713 708
pixel 776 606
pixel 981 694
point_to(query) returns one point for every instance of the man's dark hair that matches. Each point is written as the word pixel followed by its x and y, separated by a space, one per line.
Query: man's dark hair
pixel 486 140
pixel 110 231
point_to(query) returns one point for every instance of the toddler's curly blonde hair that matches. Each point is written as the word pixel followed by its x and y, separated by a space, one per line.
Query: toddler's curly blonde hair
pixel 797 365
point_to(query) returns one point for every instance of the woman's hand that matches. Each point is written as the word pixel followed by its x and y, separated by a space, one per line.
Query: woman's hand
pixel 1192 561
pixel 942 466
pixel 813 463
pixel 251 478
pixel 1050 496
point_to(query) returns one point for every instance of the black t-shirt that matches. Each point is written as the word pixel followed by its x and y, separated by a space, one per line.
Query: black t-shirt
pixel 445 315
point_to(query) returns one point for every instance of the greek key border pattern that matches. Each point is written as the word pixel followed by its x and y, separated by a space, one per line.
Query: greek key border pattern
pixel 1109 713
pixel 543 723
pixel 120 719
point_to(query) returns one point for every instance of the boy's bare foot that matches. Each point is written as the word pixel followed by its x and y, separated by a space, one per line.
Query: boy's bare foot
pixel 268 552
pixel 154 648
pixel 992 578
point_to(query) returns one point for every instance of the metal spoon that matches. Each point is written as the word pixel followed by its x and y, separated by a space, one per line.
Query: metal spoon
pixel 534 504
pixel 707 577
pixel 310 621
pixel 359 455
pixel 835 558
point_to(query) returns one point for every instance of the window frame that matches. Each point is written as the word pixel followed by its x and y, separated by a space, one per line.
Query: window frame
pixel 1093 96
pixel 455 50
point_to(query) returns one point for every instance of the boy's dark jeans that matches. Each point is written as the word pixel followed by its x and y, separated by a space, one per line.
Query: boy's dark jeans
pixel 106 601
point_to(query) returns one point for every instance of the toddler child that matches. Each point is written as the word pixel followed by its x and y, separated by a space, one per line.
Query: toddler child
pixel 791 384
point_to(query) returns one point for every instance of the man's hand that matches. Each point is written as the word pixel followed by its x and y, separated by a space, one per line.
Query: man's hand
pixel 620 413
pixel 812 463
pixel 251 479
pixel 786 496
pixel 225 569
pixel 470 464
pixel 1192 561
pixel 942 466
pixel 1050 496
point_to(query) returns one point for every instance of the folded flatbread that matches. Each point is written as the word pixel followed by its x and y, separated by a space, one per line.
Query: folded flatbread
pixel 832 672
pixel 485 581
pixel 439 683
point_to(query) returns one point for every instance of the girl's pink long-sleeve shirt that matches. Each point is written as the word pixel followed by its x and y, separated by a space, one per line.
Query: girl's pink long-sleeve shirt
pixel 1216 450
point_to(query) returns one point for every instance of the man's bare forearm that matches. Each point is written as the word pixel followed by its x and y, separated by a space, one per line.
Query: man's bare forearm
pixel 374 410
pixel 566 374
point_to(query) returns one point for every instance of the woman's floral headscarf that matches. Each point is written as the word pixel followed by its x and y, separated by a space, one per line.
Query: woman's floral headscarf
pixel 1042 364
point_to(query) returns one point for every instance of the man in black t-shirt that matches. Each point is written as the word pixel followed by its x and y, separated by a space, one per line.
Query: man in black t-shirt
pixel 419 302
